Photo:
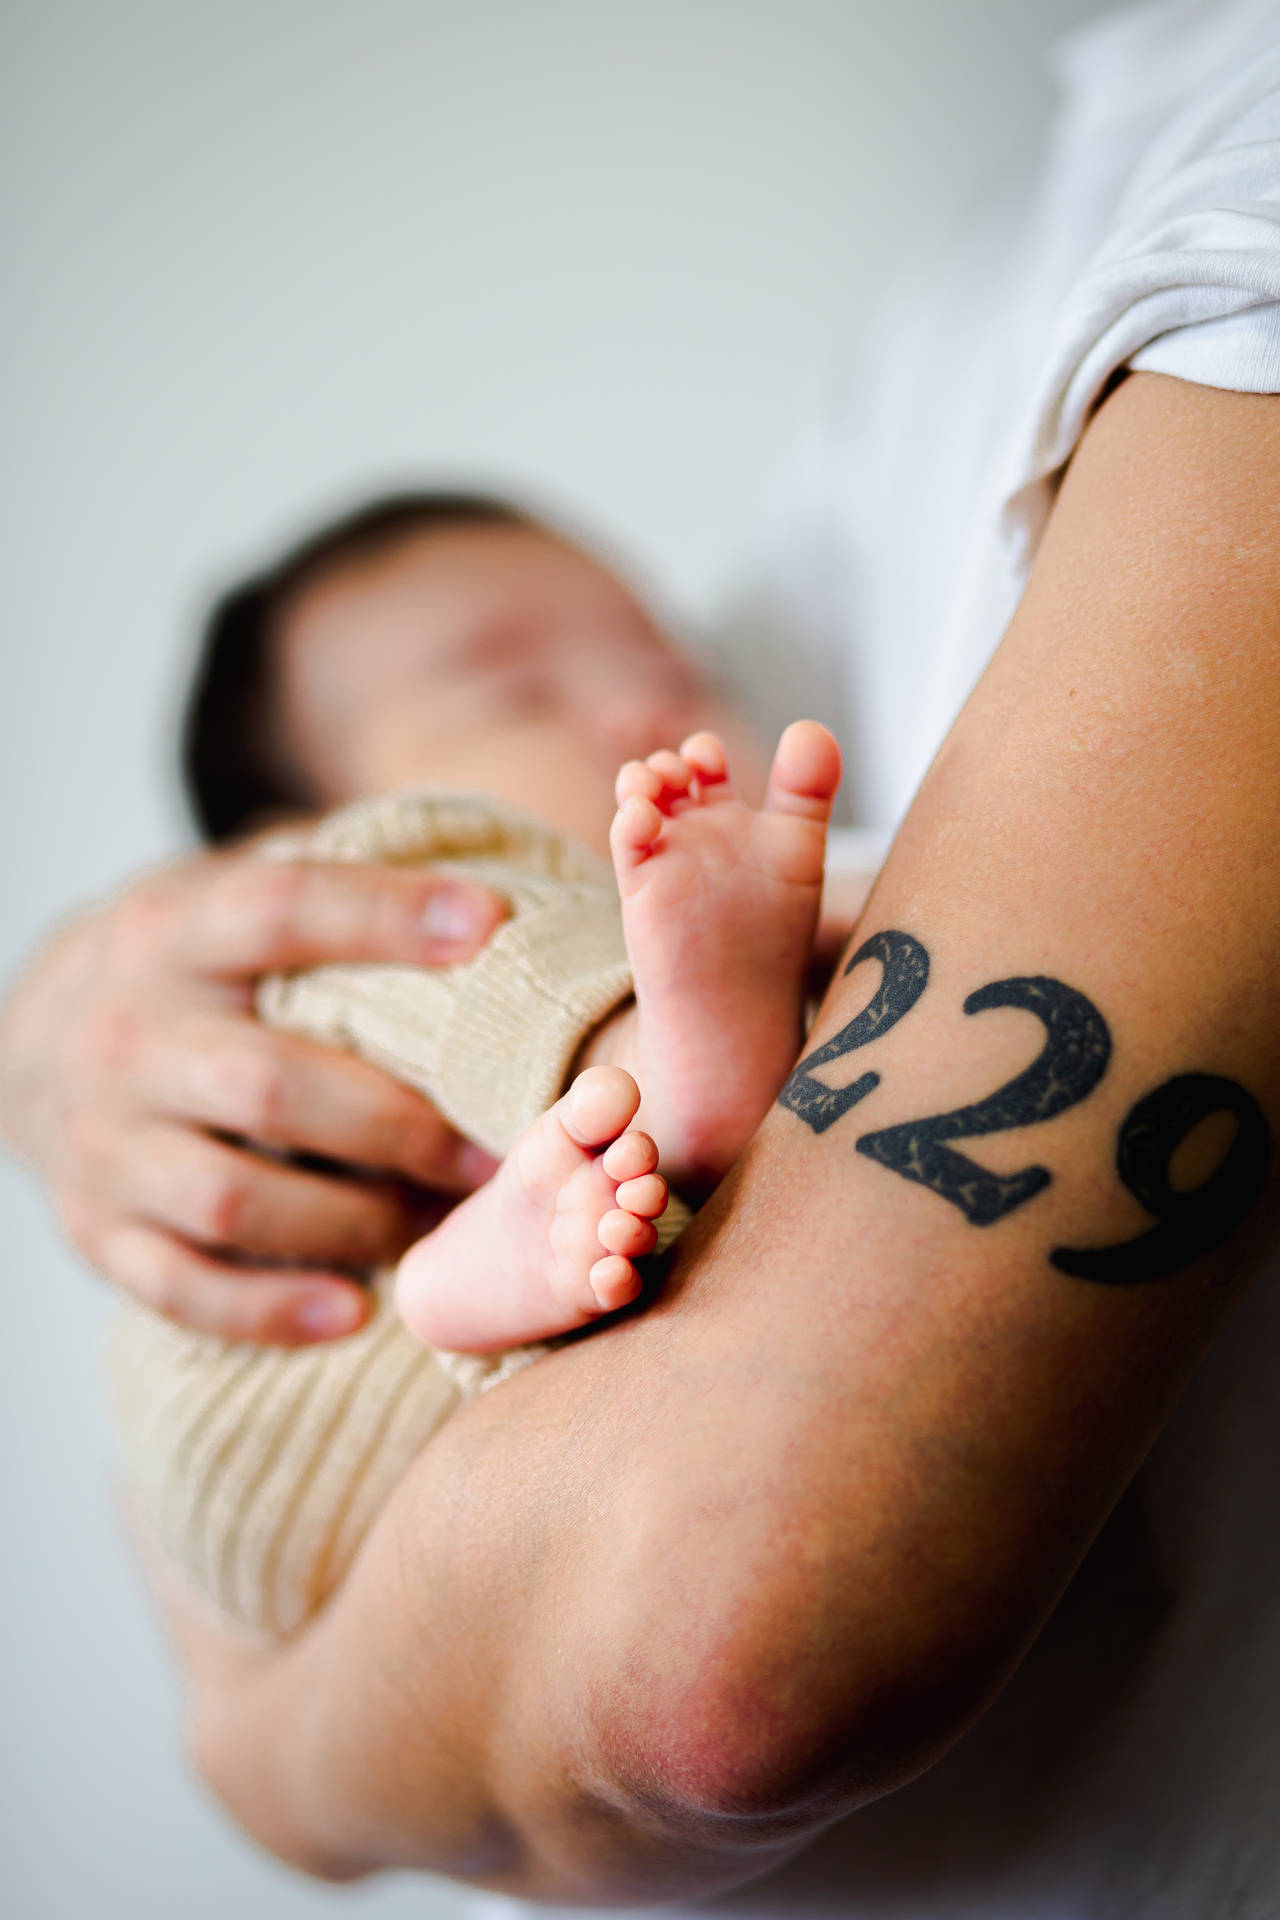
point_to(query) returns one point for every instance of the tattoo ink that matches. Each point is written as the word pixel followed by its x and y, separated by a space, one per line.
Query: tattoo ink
pixel 905 975
pixel 1189 1223
pixel 1071 1063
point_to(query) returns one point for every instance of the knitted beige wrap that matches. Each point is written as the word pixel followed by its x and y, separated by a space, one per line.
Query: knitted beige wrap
pixel 261 1469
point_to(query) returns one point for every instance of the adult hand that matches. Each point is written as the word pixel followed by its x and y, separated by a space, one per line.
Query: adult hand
pixel 136 1082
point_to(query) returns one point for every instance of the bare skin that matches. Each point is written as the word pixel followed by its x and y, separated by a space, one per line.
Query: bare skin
pixel 495 658
pixel 550 1243
pixel 134 1078
pixel 137 1082
pixel 778 1540
pixel 719 904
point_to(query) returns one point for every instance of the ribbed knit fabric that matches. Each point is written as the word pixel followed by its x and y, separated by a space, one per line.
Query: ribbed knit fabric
pixel 491 1042
pixel 261 1469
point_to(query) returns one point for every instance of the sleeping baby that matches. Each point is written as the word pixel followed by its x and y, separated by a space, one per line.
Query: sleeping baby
pixel 484 652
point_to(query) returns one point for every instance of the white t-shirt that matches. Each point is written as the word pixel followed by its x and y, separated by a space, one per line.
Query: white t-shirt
pixel 1131 1768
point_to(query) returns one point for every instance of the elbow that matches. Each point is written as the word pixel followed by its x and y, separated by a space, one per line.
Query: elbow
pixel 764 1735
pixel 258 1808
pixel 760 1668
pixel 663 1787
pixel 746 1771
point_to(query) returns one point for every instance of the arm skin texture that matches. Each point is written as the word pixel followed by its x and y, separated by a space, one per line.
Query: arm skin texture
pixel 651 1616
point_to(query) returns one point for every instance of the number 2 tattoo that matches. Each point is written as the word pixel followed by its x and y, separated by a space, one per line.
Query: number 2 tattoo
pixel 1073 1059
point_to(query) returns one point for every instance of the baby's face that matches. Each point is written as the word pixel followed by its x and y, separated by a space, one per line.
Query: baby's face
pixel 483 656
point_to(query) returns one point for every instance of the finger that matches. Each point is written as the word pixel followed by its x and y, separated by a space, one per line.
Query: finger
pixel 281 1090
pixel 225 1197
pixel 805 772
pixel 208 1295
pixel 253 915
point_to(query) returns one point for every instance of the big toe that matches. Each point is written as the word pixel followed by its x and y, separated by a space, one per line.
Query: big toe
pixel 805 772
pixel 599 1104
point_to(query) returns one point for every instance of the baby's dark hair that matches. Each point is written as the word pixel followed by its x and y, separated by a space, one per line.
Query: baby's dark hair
pixel 233 770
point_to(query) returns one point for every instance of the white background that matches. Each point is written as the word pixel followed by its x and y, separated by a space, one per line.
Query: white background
pixel 262 257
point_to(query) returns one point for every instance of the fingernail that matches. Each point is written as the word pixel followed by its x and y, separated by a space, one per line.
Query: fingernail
pixel 457 915
pixel 327 1315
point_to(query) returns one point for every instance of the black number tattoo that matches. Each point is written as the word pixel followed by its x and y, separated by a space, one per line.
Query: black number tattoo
pixel 906 973
pixel 1192 1223
pixel 1070 1065
pixel 1072 1061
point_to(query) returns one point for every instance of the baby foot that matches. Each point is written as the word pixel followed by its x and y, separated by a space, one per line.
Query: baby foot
pixel 719 905
pixel 548 1243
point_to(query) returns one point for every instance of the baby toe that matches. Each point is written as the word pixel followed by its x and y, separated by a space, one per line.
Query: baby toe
pixel 636 779
pixel 631 1155
pixel 674 773
pixel 636 825
pixel 805 772
pixel 622 1233
pixel 598 1105
pixel 705 753
pixel 645 1196
pixel 614 1282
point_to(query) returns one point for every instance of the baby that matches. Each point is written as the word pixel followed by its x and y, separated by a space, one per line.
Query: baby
pixel 424 648
pixel 456 639
pixel 720 905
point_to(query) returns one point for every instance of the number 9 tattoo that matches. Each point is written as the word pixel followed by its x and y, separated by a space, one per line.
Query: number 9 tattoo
pixel 1189 1223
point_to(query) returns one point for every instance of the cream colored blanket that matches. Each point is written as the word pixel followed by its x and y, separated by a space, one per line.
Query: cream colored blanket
pixel 260 1469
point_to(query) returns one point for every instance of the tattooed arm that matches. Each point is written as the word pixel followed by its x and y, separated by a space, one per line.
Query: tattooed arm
pixel 774 1543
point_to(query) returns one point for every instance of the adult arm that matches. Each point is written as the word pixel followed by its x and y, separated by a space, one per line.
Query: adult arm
pixel 137 1084
pixel 680 1595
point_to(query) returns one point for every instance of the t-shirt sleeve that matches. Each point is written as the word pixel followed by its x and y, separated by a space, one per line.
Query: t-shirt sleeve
pixel 1187 280
pixel 1238 351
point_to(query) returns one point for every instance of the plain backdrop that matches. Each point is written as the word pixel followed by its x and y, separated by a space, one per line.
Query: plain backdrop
pixel 262 255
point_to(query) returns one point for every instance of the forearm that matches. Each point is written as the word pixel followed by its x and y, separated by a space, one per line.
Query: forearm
pixel 493 1757
pixel 773 1544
